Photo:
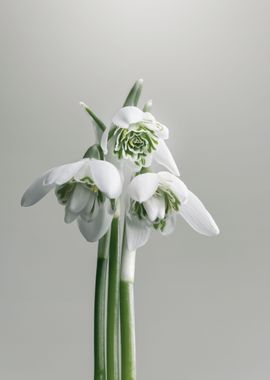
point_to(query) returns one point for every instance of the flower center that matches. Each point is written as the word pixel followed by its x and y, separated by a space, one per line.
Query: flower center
pixel 135 143
pixel 172 205
pixel 64 192
pixel 172 202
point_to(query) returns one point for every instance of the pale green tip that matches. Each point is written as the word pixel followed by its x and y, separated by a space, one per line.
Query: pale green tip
pixel 147 107
pixel 83 104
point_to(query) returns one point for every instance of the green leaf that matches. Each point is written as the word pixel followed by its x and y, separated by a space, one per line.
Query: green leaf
pixel 138 92
pixel 97 121
pixel 94 151
pixel 134 94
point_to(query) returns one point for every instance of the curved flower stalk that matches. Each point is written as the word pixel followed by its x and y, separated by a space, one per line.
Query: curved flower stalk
pixel 85 188
pixel 98 125
pixel 156 199
pixel 138 137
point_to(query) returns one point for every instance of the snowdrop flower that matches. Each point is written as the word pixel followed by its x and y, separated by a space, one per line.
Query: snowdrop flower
pixel 155 201
pixel 85 188
pixel 136 136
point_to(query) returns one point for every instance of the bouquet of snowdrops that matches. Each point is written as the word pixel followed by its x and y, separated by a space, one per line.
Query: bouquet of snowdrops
pixel 126 186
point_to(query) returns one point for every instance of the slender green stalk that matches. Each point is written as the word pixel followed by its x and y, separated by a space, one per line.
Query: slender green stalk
pixel 128 345
pixel 100 310
pixel 113 303
pixel 98 122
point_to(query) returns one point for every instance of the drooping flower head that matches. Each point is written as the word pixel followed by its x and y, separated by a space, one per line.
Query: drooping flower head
pixel 136 136
pixel 85 188
pixel 156 199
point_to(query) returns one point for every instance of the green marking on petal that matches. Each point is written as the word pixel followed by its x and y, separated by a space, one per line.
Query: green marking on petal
pixel 172 203
pixel 135 143
pixel 138 209
pixel 160 224
pixel 64 192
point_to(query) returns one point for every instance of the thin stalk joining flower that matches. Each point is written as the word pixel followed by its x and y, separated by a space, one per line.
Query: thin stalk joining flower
pixel 100 309
pixel 127 315
pixel 113 303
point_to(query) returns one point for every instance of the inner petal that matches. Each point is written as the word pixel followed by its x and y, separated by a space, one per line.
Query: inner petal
pixel 152 208
pixel 79 198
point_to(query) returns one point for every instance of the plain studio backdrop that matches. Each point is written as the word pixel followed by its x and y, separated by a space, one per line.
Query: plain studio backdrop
pixel 202 305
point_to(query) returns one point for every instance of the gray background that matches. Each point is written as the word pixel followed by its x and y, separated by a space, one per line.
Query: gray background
pixel 202 305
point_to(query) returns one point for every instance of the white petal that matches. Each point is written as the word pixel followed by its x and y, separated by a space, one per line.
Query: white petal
pixel 137 233
pixel 143 186
pixel 69 215
pixel 106 177
pixel 148 117
pixel 161 130
pixel 196 215
pixel 151 208
pixel 84 170
pixel 97 227
pixel 126 116
pixel 161 208
pixel 155 208
pixel 36 191
pixel 170 225
pixel 64 173
pixel 90 211
pixel 78 199
pixel 164 157
pixel 104 140
pixel 175 184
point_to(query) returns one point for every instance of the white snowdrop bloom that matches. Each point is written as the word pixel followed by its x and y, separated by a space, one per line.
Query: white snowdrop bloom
pixel 138 137
pixel 85 188
pixel 155 201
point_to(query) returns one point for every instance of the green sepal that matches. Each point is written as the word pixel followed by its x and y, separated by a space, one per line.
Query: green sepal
pixel 95 151
pixel 134 94
pixel 97 121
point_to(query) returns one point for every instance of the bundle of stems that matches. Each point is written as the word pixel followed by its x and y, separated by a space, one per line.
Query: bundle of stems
pixel 114 317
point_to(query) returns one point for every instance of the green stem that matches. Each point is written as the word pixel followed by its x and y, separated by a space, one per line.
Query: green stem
pixel 113 303
pixel 128 346
pixel 100 309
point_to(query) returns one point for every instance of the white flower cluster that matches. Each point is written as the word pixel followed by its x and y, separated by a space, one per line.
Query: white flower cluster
pixel 122 171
